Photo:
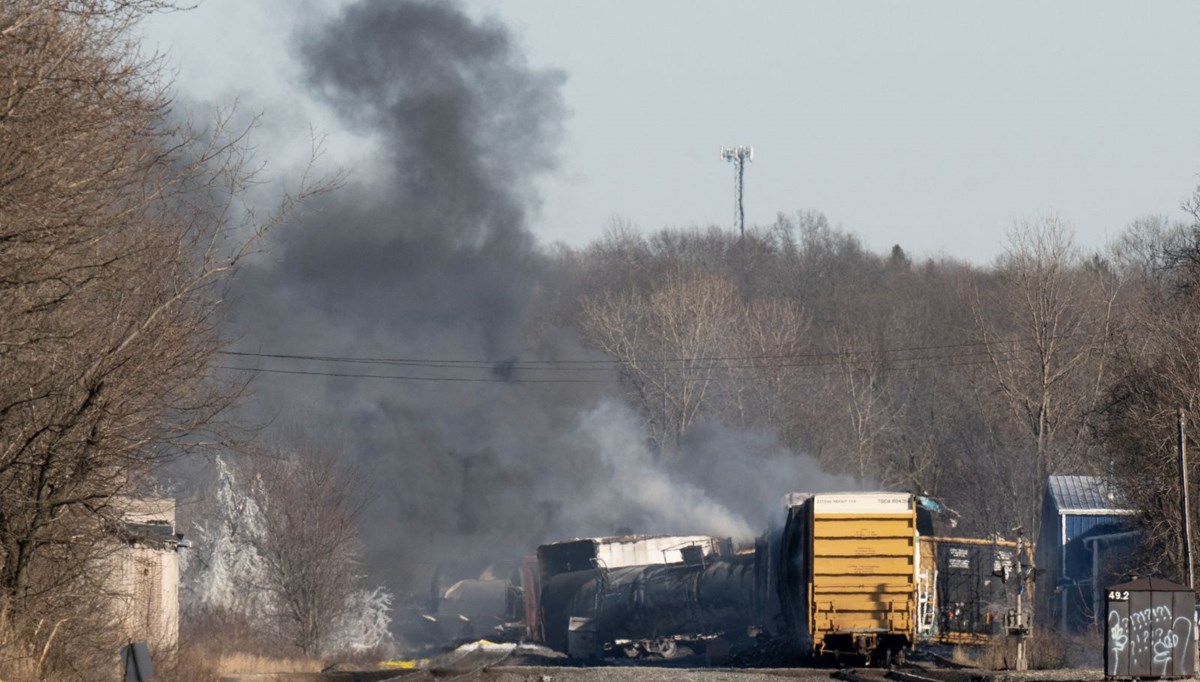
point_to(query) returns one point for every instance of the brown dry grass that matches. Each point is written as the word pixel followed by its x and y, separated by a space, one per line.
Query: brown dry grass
pixel 242 663
pixel 1045 650
pixel 968 655
pixel 203 664
pixel 1085 650
pixel 215 644
pixel 17 668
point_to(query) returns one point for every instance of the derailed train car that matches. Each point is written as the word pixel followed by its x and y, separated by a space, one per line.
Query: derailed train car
pixel 965 588
pixel 643 590
pixel 841 574
pixel 847 569
pixel 646 609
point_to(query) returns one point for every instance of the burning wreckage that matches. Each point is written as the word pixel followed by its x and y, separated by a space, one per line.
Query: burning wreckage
pixel 858 574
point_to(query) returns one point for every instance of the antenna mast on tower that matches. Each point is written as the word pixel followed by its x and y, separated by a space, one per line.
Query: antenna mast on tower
pixel 739 156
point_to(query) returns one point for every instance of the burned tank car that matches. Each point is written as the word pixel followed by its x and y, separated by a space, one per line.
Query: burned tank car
pixel 653 604
pixel 634 587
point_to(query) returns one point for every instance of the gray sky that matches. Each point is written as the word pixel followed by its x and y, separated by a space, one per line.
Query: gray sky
pixel 933 125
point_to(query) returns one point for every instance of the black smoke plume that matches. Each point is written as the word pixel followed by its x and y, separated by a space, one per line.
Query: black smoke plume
pixel 426 255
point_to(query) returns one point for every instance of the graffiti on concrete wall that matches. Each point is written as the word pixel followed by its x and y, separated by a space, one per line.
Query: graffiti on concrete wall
pixel 1148 639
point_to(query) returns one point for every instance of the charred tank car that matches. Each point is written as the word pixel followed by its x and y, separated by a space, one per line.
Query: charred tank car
pixel 642 593
pixel 647 609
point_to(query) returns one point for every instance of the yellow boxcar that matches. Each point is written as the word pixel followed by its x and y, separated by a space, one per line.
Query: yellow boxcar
pixel 852 575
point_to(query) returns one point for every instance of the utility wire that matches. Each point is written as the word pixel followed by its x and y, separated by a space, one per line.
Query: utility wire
pixel 778 370
pixel 833 358
pixel 497 380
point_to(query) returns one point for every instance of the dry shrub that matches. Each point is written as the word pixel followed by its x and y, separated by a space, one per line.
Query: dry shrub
pixel 59 648
pixel 1084 650
pixel 214 643
pixel 219 630
pixel 997 654
pixel 1046 649
pixel 367 659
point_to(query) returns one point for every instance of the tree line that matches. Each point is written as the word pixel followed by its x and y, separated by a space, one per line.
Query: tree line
pixel 968 382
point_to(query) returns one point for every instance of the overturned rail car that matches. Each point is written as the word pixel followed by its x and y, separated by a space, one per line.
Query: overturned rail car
pixel 636 587
pixel 650 606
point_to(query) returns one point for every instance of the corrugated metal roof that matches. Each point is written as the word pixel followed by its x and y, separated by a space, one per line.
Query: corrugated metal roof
pixel 1086 494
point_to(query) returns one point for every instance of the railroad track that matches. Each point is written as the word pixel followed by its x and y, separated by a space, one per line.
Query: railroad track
pixel 896 675
pixel 861 675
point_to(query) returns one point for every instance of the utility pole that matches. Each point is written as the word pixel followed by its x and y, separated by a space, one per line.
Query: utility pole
pixel 1017 620
pixel 1189 571
pixel 739 156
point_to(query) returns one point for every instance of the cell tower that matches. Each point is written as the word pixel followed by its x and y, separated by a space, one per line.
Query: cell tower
pixel 739 156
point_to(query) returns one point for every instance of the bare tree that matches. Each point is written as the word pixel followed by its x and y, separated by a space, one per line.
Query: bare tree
pixel 669 344
pixel 772 337
pixel 692 347
pixel 115 243
pixel 1159 373
pixel 311 503
pixel 871 414
pixel 1047 325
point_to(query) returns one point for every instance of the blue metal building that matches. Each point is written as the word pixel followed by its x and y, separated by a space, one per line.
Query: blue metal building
pixel 1086 533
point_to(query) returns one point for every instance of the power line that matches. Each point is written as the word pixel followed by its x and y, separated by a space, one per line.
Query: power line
pixel 982 348
pixel 745 377
pixel 831 365
pixel 700 364
pixel 497 380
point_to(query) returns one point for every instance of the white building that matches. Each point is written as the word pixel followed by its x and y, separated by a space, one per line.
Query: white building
pixel 145 579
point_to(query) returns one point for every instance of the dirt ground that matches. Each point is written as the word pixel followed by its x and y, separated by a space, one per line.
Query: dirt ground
pixel 648 673
pixel 552 674
pixel 665 674
pixel 627 674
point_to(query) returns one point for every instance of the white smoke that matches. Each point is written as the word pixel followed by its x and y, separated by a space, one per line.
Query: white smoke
pixel 642 483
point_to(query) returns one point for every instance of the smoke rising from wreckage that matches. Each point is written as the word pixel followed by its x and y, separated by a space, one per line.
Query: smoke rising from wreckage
pixel 431 257
pixel 851 574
